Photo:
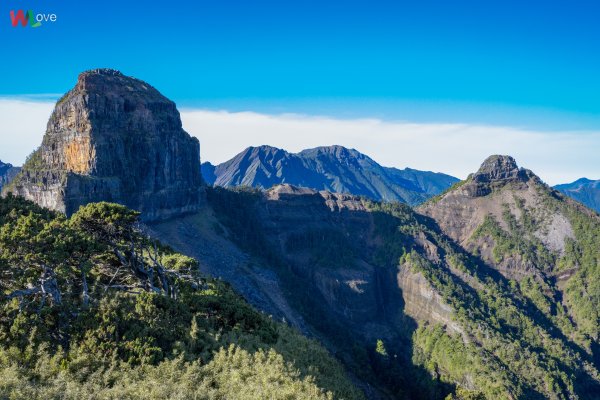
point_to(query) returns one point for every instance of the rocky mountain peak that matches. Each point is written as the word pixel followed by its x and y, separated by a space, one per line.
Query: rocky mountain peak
pixel 263 150
pixel 115 138
pixel 102 71
pixel 110 82
pixel 584 190
pixel 332 168
pixel 337 151
pixel 497 167
pixel 495 172
pixel 584 181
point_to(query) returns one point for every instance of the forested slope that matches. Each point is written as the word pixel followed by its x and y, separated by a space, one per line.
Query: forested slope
pixel 92 308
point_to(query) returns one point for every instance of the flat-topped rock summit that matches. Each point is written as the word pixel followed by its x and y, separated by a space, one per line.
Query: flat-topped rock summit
pixel 495 172
pixel 114 138
pixel 497 167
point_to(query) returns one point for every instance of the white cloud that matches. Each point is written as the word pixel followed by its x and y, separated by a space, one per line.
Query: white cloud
pixel 22 126
pixel 456 149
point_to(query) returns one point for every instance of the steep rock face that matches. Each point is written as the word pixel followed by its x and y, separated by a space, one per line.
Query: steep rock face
pixel 331 168
pixel 422 302
pixel 296 219
pixel 496 168
pixel 327 240
pixel 495 173
pixel 114 138
pixel 584 190
pixel 7 173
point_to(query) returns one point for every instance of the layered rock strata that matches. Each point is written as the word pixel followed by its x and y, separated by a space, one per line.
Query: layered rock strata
pixel 114 138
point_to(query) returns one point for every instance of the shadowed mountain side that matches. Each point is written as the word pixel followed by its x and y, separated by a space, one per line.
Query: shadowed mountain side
pixel 202 236
pixel 281 265
pixel 92 308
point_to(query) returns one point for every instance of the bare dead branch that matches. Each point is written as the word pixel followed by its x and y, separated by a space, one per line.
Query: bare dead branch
pixel 23 292
pixel 85 291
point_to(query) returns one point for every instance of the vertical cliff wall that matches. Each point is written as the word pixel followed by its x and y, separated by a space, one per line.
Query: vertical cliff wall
pixel 114 138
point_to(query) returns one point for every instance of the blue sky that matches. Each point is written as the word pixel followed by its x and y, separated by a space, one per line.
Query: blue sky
pixel 531 65
pixel 512 53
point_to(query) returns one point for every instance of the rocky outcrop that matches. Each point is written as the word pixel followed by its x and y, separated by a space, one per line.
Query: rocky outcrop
pixel 296 219
pixel 496 172
pixel 114 138
pixel 331 168
pixel 422 302
pixel 327 240
pixel 7 173
pixel 497 168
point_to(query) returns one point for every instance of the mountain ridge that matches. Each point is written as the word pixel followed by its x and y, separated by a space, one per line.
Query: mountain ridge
pixel 7 173
pixel 584 190
pixel 333 168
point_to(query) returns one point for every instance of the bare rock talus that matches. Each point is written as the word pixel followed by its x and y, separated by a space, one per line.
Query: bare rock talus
pixel 114 138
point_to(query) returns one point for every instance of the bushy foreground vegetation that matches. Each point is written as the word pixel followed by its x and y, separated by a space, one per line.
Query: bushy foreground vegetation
pixel 92 308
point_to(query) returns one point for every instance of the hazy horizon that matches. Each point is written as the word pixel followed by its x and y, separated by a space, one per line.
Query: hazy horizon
pixel 453 148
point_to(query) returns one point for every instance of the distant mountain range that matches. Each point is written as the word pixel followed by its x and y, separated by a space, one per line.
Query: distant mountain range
pixel 583 190
pixel 342 170
pixel 332 168
pixel 7 173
